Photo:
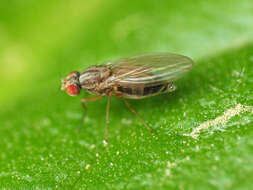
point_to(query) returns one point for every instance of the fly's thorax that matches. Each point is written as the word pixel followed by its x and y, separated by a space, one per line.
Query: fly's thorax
pixel 93 76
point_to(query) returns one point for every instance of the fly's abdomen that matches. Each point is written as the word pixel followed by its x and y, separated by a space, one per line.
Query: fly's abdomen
pixel 138 92
pixel 150 90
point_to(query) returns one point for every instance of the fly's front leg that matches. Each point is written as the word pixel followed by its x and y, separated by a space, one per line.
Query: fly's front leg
pixel 83 101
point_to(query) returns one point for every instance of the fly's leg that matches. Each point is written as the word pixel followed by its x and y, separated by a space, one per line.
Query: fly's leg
pixel 90 99
pixel 137 115
pixel 83 101
pixel 107 117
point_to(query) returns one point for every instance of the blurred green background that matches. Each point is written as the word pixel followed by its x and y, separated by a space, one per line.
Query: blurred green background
pixel 42 41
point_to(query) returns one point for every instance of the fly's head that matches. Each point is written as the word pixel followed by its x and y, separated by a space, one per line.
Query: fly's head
pixel 71 83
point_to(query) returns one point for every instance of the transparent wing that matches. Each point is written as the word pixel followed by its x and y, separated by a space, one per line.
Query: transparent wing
pixel 150 68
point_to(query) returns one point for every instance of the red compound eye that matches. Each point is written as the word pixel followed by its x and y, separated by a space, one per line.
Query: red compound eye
pixel 73 90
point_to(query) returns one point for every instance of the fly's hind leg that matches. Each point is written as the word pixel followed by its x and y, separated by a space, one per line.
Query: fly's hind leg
pixel 137 115
pixel 83 101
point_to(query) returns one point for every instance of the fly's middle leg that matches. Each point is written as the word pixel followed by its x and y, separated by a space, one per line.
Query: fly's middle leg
pixel 107 117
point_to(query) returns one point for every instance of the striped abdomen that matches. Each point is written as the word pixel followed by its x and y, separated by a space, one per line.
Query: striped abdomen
pixel 137 92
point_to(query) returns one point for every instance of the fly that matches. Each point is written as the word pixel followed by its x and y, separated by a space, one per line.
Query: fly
pixel 134 77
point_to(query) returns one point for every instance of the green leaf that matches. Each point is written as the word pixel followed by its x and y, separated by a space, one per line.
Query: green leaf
pixel 202 131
